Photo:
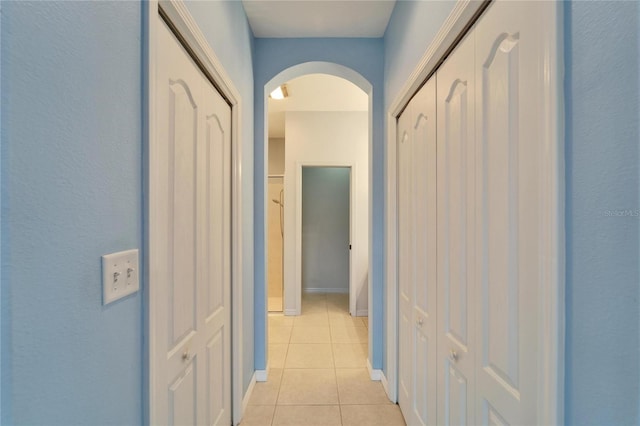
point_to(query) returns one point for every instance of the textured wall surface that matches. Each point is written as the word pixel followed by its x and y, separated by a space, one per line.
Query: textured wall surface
pixel 601 96
pixel 71 175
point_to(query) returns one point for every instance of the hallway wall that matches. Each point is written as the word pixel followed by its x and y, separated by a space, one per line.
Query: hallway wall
pixel 602 169
pixel 365 56
pixel 72 191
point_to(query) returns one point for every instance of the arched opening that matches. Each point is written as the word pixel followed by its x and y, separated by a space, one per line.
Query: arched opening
pixel 293 292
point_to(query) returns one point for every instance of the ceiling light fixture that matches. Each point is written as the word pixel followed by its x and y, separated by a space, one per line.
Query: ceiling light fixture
pixel 279 93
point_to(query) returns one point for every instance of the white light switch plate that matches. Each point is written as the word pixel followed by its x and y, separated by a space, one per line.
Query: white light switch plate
pixel 119 275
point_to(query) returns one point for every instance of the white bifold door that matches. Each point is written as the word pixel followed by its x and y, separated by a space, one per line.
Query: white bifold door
pixel 189 280
pixel 470 215
pixel 417 257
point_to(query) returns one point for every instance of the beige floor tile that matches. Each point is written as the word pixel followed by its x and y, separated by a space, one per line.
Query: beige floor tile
pixel 307 415
pixel 344 320
pixel 349 334
pixel 309 355
pixel 313 297
pixel 280 321
pixel 277 354
pixel 312 319
pixel 279 334
pixel 308 387
pixel 258 415
pixel 311 307
pixel 356 387
pixel 303 334
pixel 365 321
pixel 266 393
pixel 350 355
pixel 371 415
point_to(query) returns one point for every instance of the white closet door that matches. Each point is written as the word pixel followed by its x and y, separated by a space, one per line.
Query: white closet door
pixel 510 80
pixel 406 264
pixel 424 297
pixel 190 242
pixel 456 221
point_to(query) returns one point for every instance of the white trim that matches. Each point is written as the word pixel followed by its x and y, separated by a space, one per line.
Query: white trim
pixel 552 314
pixel 374 374
pixel 323 290
pixel 291 312
pixel 460 16
pixel 184 23
pixel 262 375
pixel 246 399
pixel 362 313
pixel 353 214
pixel 385 383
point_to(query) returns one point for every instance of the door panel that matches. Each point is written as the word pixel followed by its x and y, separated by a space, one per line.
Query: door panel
pixel 456 221
pixel 423 111
pixel 182 398
pixel 405 266
pixel 417 261
pixel 509 216
pixel 190 235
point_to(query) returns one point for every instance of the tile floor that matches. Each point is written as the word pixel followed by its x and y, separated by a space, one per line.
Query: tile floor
pixel 318 373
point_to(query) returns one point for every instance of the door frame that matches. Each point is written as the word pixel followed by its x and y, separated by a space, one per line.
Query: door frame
pixel 183 22
pixel 552 306
pixel 352 166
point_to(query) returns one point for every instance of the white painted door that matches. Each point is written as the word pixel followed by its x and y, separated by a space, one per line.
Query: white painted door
pixel 190 244
pixel 509 211
pixel 406 265
pixel 418 295
pixel 456 221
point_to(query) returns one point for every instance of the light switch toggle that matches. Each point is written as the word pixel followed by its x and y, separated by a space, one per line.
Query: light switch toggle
pixel 119 275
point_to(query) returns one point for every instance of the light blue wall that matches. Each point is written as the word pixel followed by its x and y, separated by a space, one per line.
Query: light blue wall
pixel 71 175
pixel 72 191
pixel 601 94
pixel 365 56
pixel 226 29
pixel 602 290
pixel 411 29
pixel 325 228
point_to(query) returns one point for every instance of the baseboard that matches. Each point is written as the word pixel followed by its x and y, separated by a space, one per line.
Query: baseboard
pixel 262 375
pixel 374 374
pixel 326 290
pixel 385 385
pixel 247 395
pixel 289 312
pixel 362 313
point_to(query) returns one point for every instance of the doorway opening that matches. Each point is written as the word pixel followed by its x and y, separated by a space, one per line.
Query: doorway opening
pixel 326 234
pixel 321 127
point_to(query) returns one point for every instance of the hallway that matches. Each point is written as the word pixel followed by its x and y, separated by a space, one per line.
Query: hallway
pixel 318 372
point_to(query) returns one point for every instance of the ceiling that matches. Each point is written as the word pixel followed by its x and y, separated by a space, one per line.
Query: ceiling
pixel 315 92
pixel 318 18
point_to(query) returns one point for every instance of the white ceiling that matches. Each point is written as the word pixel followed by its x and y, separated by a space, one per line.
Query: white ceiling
pixel 315 92
pixel 318 18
